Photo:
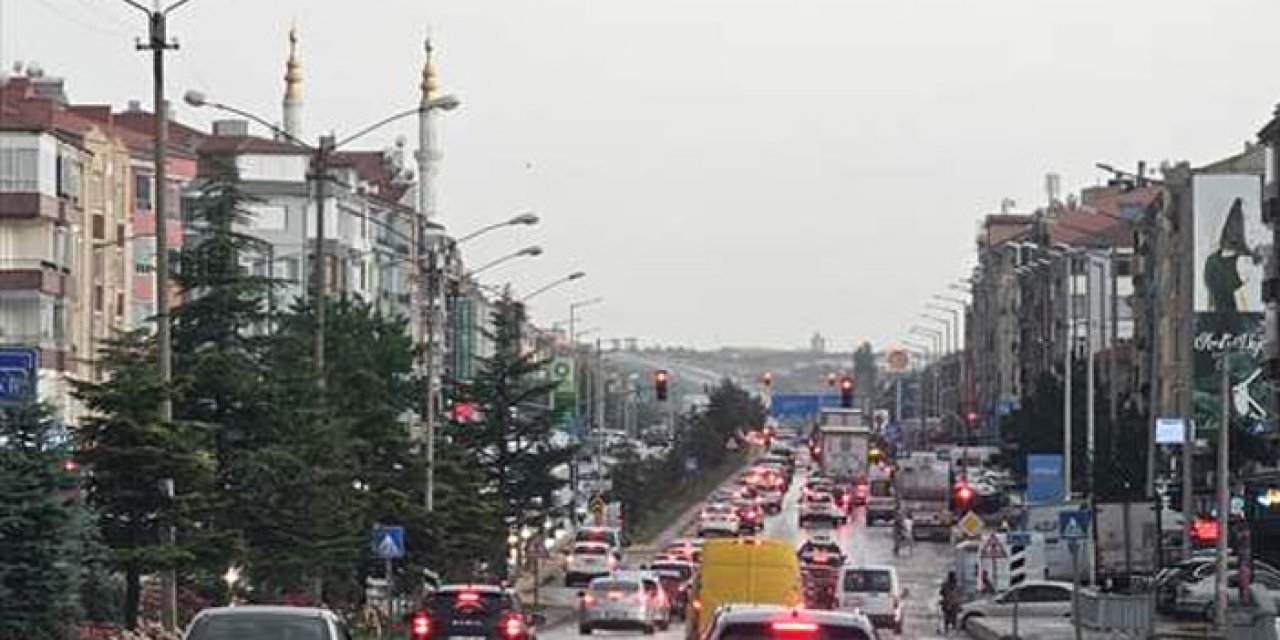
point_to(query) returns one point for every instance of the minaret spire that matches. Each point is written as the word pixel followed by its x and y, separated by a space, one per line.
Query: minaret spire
pixel 293 88
pixel 426 150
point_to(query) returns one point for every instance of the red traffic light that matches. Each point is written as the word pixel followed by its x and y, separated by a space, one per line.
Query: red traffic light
pixel 964 493
pixel 660 378
pixel 420 628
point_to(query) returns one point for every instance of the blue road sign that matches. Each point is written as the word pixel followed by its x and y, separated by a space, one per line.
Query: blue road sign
pixel 1019 539
pixel 1073 525
pixel 1044 478
pixel 18 374
pixel 388 542
pixel 799 406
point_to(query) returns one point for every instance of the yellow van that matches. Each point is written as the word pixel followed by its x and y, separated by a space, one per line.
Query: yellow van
pixel 743 571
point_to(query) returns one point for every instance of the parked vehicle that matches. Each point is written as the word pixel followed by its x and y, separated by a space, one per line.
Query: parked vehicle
pixel 1034 599
pixel 876 591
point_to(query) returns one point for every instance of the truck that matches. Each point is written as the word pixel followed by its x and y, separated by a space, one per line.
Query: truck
pixel 882 505
pixel 923 484
pixel 843 442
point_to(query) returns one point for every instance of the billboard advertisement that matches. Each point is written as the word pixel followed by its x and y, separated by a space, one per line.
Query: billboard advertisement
pixel 1231 248
pixel 801 406
pixel 1044 478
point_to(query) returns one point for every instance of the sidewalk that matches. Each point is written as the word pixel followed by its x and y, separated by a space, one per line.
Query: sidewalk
pixel 1056 628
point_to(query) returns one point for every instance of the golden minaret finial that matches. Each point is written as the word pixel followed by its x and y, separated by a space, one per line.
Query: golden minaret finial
pixel 293 69
pixel 429 87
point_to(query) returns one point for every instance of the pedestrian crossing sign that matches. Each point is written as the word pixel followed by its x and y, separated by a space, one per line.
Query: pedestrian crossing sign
pixel 388 542
pixel 1073 525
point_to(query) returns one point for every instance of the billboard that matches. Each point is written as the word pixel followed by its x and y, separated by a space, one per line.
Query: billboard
pixel 1231 249
pixel 1044 478
pixel 801 406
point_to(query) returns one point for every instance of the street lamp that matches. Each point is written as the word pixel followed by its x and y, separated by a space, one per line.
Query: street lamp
pixel 320 158
pixel 946 329
pixel 573 316
pixel 527 252
pixel 576 275
pixel 527 219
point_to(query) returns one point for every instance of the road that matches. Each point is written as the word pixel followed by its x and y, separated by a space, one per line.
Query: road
pixel 921 571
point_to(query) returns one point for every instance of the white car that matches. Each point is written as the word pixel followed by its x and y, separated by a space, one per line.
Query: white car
pixel 1034 599
pixel 718 520
pixel 258 621
pixel 821 506
pixel 627 600
pixel 1197 597
pixel 772 622
pixel 588 560
pixel 876 591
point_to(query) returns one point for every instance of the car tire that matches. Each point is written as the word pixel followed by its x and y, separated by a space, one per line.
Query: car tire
pixel 897 627
pixel 648 629
pixel 584 630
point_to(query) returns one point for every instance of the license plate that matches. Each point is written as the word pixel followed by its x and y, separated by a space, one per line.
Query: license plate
pixel 616 615
pixel 469 638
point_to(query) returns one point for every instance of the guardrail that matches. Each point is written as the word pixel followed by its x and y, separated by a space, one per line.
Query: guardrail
pixel 1132 615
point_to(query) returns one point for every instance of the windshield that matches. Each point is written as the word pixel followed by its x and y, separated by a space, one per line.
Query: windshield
pixel 259 627
pixel 867 581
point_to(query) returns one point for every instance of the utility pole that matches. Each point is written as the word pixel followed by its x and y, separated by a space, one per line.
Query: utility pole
pixel 1220 589
pixel 1090 376
pixel 158 43
pixel 1068 356
pixel 320 174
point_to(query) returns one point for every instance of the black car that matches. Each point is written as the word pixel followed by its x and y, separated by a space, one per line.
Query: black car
pixel 478 611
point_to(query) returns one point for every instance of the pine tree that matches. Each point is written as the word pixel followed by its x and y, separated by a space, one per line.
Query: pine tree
pixel 128 449
pixel 39 567
pixel 513 443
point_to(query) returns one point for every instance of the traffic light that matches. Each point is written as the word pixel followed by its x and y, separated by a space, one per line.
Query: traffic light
pixel 846 392
pixel 964 496
pixel 660 378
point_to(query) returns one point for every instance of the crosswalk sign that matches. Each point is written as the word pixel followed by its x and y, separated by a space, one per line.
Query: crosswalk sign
pixel 1073 525
pixel 388 542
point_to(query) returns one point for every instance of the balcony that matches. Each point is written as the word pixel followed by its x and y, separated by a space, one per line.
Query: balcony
pixel 30 274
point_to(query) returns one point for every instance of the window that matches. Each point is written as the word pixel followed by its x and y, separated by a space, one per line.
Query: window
pixel 99 227
pixel 19 170
pixel 98 294
pixel 120 304
pixel 867 581
pixel 142 193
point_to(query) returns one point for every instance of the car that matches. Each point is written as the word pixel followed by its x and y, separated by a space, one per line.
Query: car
pixel 1169 581
pixel 821 506
pixel 611 536
pixel 1034 599
pixel 255 621
pixel 619 602
pixel 677 578
pixel 1196 596
pixel 467 610
pixel 685 549
pixel 875 590
pixel 750 516
pixel 718 519
pixel 822 550
pixel 588 560
pixel 817 484
pixel 772 622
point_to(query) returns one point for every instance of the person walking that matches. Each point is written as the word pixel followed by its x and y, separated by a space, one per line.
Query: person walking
pixel 949 597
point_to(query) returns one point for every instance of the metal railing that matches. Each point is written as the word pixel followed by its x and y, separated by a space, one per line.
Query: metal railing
pixel 1133 615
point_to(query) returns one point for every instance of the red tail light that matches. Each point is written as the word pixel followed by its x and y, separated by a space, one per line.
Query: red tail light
pixel 588 600
pixel 513 627
pixel 615 595
pixel 795 627
pixel 697 604
pixel 421 626
pixel 468 598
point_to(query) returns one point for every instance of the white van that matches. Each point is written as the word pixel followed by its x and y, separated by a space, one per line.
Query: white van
pixel 875 591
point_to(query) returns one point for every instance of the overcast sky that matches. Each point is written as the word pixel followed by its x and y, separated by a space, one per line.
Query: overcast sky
pixel 728 172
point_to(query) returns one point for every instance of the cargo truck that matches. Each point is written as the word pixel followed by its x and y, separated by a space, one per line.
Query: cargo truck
pixel 842 444
pixel 923 485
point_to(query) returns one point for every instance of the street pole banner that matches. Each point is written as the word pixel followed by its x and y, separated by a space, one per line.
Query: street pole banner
pixel 1044 478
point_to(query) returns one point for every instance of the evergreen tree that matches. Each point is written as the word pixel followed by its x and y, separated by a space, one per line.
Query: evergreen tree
pixel 39 566
pixel 222 386
pixel 128 450
pixel 513 443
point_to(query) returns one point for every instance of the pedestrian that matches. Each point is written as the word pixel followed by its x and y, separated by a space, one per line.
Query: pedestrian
pixel 985 586
pixel 949 598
